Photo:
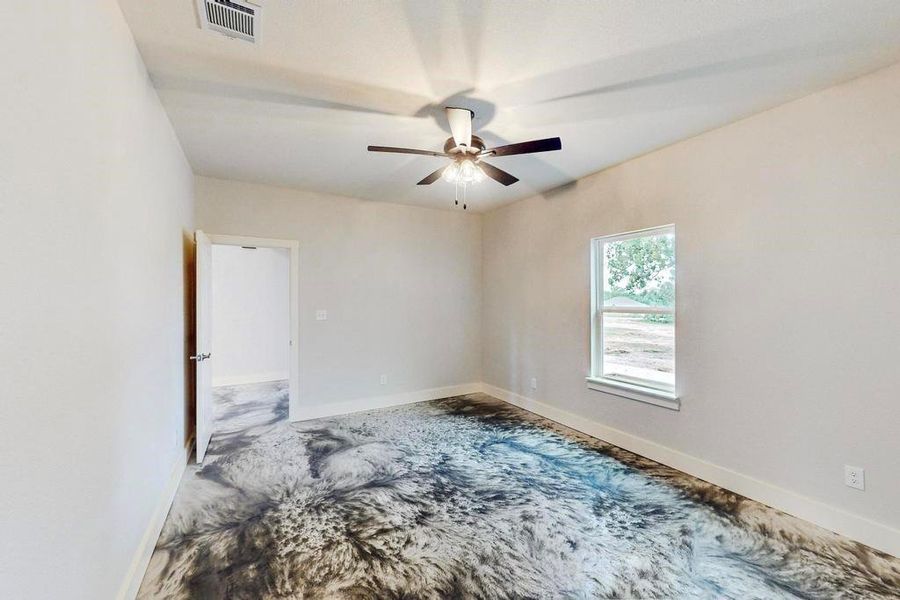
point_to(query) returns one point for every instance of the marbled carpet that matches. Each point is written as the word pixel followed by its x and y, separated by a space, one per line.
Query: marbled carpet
pixel 469 497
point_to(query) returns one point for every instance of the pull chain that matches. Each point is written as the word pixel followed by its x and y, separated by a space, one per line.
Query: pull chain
pixel 464 194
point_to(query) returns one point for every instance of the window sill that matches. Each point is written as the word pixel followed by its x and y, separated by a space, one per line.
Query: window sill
pixel 635 392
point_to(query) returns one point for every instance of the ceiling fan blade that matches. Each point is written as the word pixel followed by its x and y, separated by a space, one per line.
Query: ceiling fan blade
pixel 460 125
pixel 545 145
pixel 433 177
pixel 497 174
pixel 404 151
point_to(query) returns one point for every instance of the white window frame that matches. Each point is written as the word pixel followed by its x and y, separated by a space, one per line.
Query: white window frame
pixel 634 389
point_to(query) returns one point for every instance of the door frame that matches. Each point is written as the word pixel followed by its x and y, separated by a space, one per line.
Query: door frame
pixel 294 247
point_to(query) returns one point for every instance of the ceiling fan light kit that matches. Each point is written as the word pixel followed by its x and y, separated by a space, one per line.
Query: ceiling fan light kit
pixel 465 172
pixel 468 152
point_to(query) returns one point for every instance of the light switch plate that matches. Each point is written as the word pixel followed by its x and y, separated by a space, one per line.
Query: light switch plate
pixel 321 315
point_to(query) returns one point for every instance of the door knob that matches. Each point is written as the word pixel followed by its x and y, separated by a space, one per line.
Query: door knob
pixel 200 357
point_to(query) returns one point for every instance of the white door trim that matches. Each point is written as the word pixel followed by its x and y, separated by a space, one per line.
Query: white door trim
pixel 294 247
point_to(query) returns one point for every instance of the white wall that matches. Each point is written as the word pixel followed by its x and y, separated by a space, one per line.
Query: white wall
pixel 95 204
pixel 402 287
pixel 788 324
pixel 251 314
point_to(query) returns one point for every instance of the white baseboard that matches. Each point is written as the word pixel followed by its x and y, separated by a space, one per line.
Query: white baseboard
pixel 251 378
pixel 855 527
pixel 132 582
pixel 372 402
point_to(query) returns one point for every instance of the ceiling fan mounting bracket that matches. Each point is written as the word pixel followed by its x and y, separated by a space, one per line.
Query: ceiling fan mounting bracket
pixel 471 112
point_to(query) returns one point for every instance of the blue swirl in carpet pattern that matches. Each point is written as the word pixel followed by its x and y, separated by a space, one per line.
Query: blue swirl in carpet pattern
pixel 469 497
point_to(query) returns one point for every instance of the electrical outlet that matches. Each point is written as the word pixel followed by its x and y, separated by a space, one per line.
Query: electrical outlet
pixel 534 383
pixel 855 477
pixel 384 380
pixel 321 315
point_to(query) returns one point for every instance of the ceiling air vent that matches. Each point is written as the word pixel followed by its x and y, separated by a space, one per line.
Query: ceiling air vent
pixel 229 17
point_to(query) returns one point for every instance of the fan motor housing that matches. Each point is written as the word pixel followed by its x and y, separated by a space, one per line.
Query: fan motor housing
pixel 476 147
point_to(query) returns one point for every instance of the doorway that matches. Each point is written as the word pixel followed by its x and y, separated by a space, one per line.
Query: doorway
pixel 247 316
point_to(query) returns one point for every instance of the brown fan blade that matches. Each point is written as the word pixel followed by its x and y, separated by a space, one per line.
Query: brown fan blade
pixel 404 151
pixel 433 177
pixel 497 174
pixel 545 145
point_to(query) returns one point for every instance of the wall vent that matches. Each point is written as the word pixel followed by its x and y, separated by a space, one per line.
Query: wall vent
pixel 233 18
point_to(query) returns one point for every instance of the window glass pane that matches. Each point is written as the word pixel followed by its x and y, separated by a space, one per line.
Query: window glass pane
pixel 640 348
pixel 640 271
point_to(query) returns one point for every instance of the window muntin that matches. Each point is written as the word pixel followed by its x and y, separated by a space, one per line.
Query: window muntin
pixel 633 325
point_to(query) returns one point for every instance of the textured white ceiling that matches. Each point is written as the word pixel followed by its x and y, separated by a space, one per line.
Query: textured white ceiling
pixel 613 79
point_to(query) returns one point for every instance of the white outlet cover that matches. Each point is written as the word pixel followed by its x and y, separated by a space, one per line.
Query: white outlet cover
pixel 321 315
pixel 384 380
pixel 534 383
pixel 855 477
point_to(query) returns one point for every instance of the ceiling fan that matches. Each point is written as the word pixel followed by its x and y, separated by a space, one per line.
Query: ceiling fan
pixel 468 151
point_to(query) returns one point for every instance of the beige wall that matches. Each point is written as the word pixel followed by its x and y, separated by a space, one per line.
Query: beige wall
pixel 788 318
pixel 95 203
pixel 402 287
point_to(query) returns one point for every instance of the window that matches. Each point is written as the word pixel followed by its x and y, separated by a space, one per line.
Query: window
pixel 633 315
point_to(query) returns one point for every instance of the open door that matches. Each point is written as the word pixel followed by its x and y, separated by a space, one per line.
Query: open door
pixel 204 340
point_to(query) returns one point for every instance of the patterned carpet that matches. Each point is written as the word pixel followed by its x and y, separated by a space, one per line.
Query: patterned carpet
pixel 469 497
